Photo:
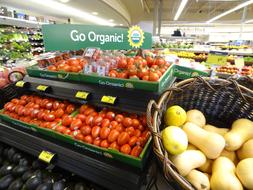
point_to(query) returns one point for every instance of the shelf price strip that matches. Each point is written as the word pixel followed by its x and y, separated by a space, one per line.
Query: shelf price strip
pixel 46 156
pixel 42 87
pixel 82 95
pixel 20 84
pixel 108 99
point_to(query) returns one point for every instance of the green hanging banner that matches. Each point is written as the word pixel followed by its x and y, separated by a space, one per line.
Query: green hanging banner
pixel 73 37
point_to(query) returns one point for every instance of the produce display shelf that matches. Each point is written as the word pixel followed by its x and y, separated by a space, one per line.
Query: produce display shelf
pixel 130 100
pixel 100 170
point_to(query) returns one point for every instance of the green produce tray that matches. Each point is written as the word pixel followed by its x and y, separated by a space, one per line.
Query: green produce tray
pixel 35 71
pixel 185 72
pixel 158 86
pixel 109 153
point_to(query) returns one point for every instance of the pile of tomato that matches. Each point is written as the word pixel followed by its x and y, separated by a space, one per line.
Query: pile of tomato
pixel 124 132
pixel 71 65
pixel 148 69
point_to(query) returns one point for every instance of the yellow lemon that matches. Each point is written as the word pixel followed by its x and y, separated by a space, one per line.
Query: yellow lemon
pixel 174 140
pixel 175 116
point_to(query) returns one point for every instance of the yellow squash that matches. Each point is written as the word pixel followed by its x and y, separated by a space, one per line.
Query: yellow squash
pixel 220 131
pixel 246 151
pixel 207 167
pixel 244 172
pixel 198 179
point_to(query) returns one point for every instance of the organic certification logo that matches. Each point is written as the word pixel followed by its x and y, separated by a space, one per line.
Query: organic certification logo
pixel 135 36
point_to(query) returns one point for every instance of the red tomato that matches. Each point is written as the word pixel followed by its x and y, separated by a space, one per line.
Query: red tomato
pixel 67 131
pixel 95 131
pixel 104 132
pixel 89 120
pixel 97 141
pixel 113 124
pixel 143 72
pixel 17 107
pixel 146 134
pixel 126 149
pixel 127 122
pixel 28 111
pixel 153 76
pixel 15 101
pixel 136 123
pixel 110 115
pixel 52 68
pixel 104 144
pixel 35 113
pixel 122 64
pixel 43 103
pixel 73 62
pixel 75 124
pixel 86 130
pixel 70 108
pixel 24 97
pixel 130 131
pixel 146 78
pixel 137 132
pixel 59 113
pixel 119 127
pixel 60 128
pixel 22 102
pixel 98 120
pixel 105 123
pixel 140 141
pixel 83 108
pixel 113 74
pixel 62 106
pixel 113 136
pixel 141 128
pixel 130 61
pixel 132 141
pixel 56 105
pixel 88 111
pixel 150 61
pixel 79 136
pixel 119 118
pixel 66 121
pixel 114 145
pixel 123 138
pixel 74 133
pixel 21 111
pixel 49 117
pixel 136 151
pixel 160 62
pixel 88 139
pixel 132 70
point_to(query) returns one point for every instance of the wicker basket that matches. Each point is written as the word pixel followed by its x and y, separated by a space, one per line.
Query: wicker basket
pixel 221 101
pixel 246 81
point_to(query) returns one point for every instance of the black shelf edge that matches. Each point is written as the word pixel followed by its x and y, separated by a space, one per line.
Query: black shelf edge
pixel 92 167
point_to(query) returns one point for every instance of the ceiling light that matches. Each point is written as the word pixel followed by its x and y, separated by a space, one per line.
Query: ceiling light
pixel 248 21
pixel 64 1
pixel 111 20
pixel 230 11
pixel 180 9
pixel 94 13
pixel 60 7
pixel 121 24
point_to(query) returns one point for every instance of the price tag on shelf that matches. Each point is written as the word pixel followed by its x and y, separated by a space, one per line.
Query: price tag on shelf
pixel 217 58
pixel 90 52
pixel 46 156
pixel 108 99
pixel 20 84
pixel 42 87
pixel 82 95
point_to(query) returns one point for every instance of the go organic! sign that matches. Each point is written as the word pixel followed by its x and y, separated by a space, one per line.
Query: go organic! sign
pixel 74 37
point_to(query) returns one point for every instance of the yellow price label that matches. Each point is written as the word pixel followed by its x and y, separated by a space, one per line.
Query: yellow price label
pixel 217 59
pixel 42 87
pixel 82 95
pixel 108 99
pixel 20 84
pixel 46 156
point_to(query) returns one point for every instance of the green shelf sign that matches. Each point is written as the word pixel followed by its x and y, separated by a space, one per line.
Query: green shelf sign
pixel 73 37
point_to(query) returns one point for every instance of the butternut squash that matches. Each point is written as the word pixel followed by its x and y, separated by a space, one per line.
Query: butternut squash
pixel 207 166
pixel 191 147
pixel 198 179
pixel 244 172
pixel 188 160
pixel 223 175
pixel 220 131
pixel 246 151
pixel 241 131
pixel 196 117
pixel 231 155
pixel 211 144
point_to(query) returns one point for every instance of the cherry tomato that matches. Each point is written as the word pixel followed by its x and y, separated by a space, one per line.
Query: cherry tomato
pixel 130 131
pixel 86 130
pixel 119 127
pixel 70 108
pixel 81 117
pixel 88 139
pixel 127 122
pixel 136 151
pixel 114 145
pixel 60 128
pixel 97 141
pixel 75 124
pixel 126 149
pixel 59 113
pixel 104 132
pixel 113 135
pixel 123 138
pixel 105 123
pixel 137 132
pixel 119 118
pixel 83 108
pixel 95 131
pixel 113 124
pixel 136 123
pixel 79 136
pixel 49 117
pixel 56 105
pixel 133 141
pixel 104 144
pixel 66 121
pixel 110 115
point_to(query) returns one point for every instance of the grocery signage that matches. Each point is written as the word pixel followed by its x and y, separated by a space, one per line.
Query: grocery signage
pixel 74 37
pixel 217 58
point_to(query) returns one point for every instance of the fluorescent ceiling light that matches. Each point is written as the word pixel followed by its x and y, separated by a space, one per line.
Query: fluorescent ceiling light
pixel 248 21
pixel 230 11
pixel 111 20
pixel 51 4
pixel 121 24
pixel 22 20
pixel 94 13
pixel 180 9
